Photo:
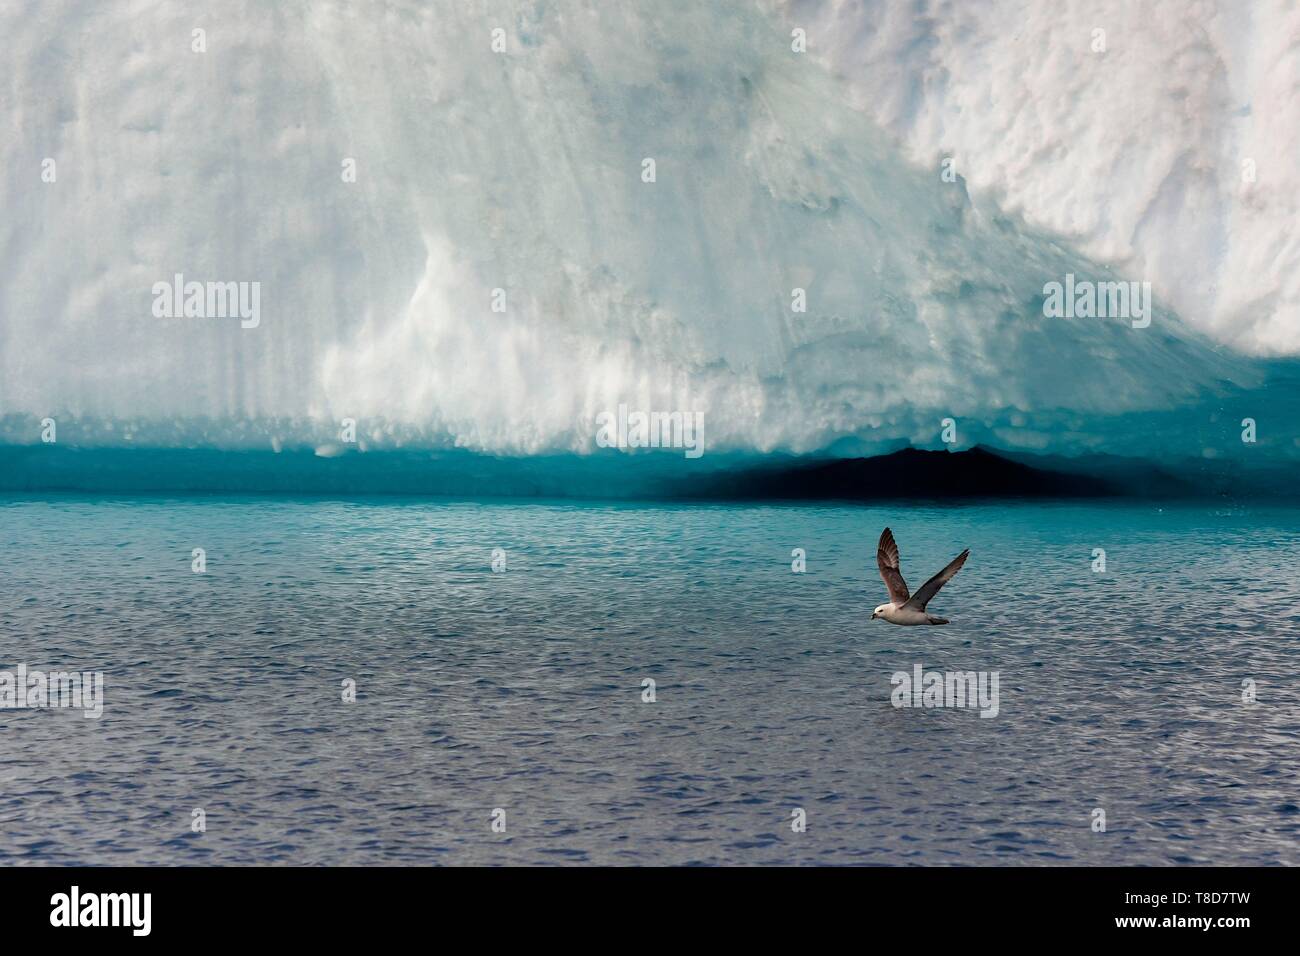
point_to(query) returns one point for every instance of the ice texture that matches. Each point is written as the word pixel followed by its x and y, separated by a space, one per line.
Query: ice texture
pixel 522 171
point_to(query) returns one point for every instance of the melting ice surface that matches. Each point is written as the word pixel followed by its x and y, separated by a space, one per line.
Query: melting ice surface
pixel 522 171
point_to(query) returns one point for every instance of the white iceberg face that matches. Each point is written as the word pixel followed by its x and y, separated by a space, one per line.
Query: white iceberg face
pixel 1160 138
pixel 460 247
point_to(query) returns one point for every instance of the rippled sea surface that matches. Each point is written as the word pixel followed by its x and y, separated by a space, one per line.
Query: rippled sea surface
pixel 522 690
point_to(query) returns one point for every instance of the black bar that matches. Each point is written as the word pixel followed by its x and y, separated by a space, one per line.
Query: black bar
pixel 946 906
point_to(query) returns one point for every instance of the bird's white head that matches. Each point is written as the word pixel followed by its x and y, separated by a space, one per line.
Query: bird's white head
pixel 880 611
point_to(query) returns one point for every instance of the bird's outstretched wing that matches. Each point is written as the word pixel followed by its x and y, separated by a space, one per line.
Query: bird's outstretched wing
pixel 887 561
pixel 931 587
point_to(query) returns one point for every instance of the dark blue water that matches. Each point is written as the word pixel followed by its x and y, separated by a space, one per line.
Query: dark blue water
pixel 522 690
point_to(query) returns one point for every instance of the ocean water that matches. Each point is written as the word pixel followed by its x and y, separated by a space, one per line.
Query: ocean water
pixel 522 690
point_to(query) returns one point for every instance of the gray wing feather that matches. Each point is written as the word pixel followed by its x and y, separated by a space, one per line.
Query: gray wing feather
pixel 887 561
pixel 930 588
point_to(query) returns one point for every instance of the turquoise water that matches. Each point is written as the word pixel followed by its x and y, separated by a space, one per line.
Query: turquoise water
pixel 522 690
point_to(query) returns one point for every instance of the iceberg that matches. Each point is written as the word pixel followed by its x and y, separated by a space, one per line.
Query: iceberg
pixel 479 227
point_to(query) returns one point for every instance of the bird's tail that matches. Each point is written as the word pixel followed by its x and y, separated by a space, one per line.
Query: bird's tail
pixel 936 620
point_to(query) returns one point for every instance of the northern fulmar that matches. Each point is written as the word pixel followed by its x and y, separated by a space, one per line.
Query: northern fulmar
pixel 902 607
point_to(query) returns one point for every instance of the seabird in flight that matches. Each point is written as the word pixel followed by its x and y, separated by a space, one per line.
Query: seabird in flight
pixel 902 607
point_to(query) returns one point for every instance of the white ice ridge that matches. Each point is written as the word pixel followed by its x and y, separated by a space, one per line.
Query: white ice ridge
pixel 522 171
pixel 1138 144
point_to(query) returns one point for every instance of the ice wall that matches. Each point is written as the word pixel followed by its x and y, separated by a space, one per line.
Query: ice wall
pixel 1158 136
pixel 522 171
